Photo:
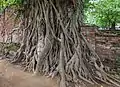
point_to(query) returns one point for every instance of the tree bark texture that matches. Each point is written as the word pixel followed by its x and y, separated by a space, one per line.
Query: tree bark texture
pixel 53 44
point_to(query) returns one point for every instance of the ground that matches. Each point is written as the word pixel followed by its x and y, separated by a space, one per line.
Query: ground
pixel 12 76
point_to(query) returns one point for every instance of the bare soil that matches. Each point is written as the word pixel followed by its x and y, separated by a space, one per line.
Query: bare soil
pixel 13 76
pixel 10 76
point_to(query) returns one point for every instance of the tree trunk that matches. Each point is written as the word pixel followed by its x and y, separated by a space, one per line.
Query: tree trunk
pixel 113 26
pixel 65 51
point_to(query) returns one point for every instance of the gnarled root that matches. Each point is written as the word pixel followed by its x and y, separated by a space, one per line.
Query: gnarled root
pixel 66 52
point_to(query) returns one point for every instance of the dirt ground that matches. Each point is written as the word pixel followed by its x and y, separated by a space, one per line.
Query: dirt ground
pixel 10 76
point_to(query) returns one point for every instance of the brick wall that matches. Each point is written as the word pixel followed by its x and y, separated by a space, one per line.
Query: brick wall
pixel 89 33
pixel 7 25
pixel 106 45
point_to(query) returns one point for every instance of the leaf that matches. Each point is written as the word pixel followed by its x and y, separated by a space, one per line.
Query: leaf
pixel 103 12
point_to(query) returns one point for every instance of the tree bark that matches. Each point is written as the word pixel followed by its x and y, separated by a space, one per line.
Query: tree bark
pixel 66 52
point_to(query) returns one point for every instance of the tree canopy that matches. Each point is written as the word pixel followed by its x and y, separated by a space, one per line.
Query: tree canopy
pixel 104 13
pixel 9 3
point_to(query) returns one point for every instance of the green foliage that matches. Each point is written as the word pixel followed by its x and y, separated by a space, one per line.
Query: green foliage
pixel 103 12
pixel 7 3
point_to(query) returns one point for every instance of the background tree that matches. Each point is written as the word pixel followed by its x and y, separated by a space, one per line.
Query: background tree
pixel 104 13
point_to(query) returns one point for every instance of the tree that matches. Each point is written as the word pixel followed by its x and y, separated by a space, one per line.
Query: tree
pixel 5 3
pixel 104 13
pixel 55 24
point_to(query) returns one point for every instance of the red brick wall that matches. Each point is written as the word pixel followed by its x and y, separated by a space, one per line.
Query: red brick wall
pixel 106 45
pixel 7 25
pixel 89 33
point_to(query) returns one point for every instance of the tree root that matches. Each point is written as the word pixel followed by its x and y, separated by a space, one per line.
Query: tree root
pixel 66 53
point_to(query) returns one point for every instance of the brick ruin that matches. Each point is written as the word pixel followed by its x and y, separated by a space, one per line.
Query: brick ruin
pixel 105 43
pixel 7 24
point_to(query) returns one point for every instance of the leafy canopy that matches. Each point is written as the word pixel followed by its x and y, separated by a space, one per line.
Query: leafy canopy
pixel 6 3
pixel 103 12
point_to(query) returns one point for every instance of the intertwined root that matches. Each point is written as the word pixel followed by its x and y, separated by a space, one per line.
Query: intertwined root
pixel 65 51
